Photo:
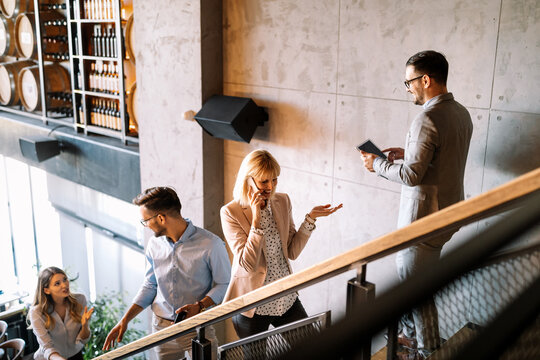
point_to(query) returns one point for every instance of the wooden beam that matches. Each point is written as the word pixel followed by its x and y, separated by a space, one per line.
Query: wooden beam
pixel 454 216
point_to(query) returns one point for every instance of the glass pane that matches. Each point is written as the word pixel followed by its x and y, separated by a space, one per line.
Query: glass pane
pixel 18 185
pixel 46 221
pixel 118 268
pixel 107 264
pixel 74 256
pixel 8 279
pixel 89 236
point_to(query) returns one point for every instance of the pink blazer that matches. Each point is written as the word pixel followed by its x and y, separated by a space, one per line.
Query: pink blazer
pixel 249 264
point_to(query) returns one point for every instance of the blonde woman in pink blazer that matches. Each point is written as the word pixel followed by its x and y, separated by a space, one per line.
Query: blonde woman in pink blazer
pixel 260 231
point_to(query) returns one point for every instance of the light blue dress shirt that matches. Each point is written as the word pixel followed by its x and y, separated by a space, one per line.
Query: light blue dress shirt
pixel 184 272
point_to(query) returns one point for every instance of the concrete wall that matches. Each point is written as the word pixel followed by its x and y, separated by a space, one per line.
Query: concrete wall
pixel 179 45
pixel 331 75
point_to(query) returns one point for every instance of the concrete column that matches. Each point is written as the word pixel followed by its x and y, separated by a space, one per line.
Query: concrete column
pixel 179 65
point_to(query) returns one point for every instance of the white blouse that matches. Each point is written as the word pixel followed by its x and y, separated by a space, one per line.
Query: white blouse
pixel 63 338
pixel 276 264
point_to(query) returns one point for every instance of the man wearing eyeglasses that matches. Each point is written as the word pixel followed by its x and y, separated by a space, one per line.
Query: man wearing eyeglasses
pixel 431 175
pixel 187 270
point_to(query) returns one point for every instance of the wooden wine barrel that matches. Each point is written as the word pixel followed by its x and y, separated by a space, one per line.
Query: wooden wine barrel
pixel 130 50
pixel 56 80
pixel 9 75
pixel 129 74
pixel 12 8
pixel 126 10
pixel 25 31
pixel 7 37
pixel 132 106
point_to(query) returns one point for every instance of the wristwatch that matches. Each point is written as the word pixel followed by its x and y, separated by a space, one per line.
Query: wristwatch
pixel 201 306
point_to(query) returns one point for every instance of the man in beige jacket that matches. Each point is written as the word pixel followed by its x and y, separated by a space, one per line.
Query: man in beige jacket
pixel 431 175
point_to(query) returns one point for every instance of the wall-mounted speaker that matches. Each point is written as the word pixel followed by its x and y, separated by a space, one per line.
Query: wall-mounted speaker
pixel 231 117
pixel 40 148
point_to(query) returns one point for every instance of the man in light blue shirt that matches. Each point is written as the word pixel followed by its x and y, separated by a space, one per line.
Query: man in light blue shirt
pixel 187 269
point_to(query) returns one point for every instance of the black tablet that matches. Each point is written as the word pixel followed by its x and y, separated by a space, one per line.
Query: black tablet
pixel 371 148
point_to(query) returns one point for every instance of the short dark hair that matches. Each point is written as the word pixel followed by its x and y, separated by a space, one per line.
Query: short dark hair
pixel 431 63
pixel 160 198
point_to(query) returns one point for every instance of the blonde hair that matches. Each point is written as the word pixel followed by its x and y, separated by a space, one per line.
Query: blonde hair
pixel 45 302
pixel 257 164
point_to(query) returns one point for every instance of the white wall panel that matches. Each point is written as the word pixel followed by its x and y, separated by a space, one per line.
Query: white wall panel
pixel 474 170
pixel 384 122
pixel 378 37
pixel 512 146
pixel 516 83
pixel 300 129
pixel 284 44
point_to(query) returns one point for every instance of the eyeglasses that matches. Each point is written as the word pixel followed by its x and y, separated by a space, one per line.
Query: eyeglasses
pixel 144 222
pixel 408 82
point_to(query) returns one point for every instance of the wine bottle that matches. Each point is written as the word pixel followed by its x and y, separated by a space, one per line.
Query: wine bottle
pixel 79 77
pixel 81 114
pixel 92 77
pixel 105 44
pixel 112 42
pixel 92 113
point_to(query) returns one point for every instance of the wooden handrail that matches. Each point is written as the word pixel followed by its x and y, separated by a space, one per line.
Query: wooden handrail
pixel 452 217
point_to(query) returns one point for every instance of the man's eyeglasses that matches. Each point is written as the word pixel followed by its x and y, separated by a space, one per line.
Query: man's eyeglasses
pixel 408 82
pixel 144 222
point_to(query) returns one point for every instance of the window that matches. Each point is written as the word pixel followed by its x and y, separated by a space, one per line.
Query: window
pixel 42 224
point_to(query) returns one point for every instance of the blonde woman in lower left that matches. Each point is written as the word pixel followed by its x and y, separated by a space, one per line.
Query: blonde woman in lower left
pixel 59 318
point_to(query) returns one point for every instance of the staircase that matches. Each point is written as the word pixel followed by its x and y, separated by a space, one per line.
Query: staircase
pixel 350 337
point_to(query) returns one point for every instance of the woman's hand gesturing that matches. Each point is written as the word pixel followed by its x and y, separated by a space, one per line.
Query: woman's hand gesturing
pixel 87 314
pixel 323 210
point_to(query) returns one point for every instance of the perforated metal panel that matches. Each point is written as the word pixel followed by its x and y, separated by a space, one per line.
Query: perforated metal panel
pixel 273 343
pixel 471 302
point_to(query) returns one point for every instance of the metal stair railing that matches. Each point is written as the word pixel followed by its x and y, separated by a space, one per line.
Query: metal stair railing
pixel 495 201
pixel 341 339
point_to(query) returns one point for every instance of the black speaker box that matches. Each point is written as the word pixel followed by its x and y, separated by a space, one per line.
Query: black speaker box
pixel 39 148
pixel 231 117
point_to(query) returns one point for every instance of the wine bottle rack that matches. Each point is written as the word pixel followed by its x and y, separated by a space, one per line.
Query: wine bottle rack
pixel 97 51
pixel 37 31
pixel 84 37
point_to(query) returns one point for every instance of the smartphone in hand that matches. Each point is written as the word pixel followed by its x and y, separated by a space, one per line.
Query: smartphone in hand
pixel 252 184
pixel 180 316
pixel 254 187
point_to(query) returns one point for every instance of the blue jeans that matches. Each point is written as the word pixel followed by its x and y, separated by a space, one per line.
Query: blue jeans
pixel 423 322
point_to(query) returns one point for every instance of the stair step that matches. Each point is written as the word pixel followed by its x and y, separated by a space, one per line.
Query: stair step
pixel 379 355
pixel 456 342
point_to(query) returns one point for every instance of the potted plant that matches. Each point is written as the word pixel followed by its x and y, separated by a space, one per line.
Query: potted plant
pixel 108 309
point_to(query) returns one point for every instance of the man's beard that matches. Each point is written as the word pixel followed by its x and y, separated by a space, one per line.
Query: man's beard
pixel 159 232
pixel 418 100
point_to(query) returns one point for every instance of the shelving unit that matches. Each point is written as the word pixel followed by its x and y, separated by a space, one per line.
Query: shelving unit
pixel 101 112
pixel 39 13
pixel 88 109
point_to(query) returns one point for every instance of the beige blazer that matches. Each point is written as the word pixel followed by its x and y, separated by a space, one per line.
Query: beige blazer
pixel 249 264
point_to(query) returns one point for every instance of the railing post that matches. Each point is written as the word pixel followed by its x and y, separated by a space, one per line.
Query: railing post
pixel 201 348
pixel 360 292
pixel 392 345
